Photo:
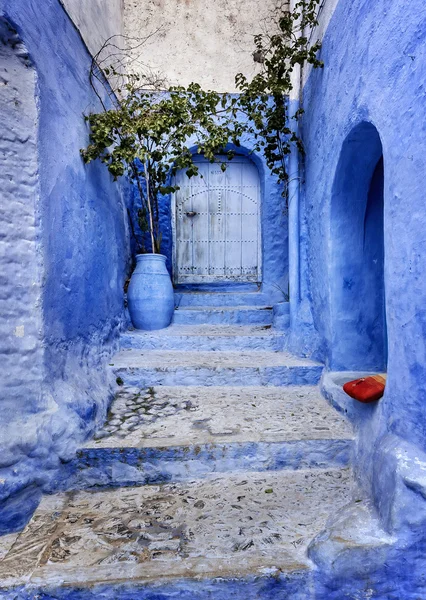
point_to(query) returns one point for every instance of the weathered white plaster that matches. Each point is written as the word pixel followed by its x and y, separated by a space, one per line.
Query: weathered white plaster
pixel 96 20
pixel 202 41
pixel 295 76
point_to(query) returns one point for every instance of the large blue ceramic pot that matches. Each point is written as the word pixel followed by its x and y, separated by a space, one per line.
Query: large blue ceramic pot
pixel 150 295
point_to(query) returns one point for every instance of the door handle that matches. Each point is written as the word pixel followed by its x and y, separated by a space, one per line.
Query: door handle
pixel 191 213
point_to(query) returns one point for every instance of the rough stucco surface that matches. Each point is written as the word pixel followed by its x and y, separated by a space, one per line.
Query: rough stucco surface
pixel 96 20
pixel 361 554
pixel 380 82
pixel 76 215
pixel 387 93
pixel 20 302
pixel 326 11
pixel 198 40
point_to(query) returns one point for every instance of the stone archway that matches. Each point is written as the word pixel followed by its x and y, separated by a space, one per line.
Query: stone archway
pixel 357 285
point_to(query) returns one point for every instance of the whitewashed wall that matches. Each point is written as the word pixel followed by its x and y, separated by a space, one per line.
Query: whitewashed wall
pixel 207 41
pixel 97 20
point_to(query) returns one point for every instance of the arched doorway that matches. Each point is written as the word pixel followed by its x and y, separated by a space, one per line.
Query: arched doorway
pixel 357 285
pixel 217 231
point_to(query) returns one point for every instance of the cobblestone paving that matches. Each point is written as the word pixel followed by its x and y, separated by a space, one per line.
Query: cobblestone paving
pixel 198 414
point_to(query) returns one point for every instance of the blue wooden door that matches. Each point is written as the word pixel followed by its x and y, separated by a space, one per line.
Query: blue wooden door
pixel 217 224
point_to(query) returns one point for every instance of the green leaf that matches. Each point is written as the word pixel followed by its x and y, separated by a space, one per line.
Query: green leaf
pixel 145 135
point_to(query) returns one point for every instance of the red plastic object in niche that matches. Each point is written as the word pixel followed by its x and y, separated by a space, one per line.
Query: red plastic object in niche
pixel 366 389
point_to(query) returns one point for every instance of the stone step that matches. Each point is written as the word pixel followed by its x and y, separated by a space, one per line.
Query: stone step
pixel 170 367
pixel 219 287
pixel 246 531
pixel 206 337
pixel 223 315
pixel 175 433
pixel 191 299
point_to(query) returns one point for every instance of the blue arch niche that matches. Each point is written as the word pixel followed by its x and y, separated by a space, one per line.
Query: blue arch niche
pixel 357 288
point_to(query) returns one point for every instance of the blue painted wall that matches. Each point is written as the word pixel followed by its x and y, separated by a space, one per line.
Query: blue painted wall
pixel 83 246
pixel 370 99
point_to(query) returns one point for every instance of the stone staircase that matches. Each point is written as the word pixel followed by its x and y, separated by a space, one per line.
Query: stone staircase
pixel 218 465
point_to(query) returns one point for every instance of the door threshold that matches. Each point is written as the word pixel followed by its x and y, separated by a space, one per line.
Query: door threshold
pixel 218 287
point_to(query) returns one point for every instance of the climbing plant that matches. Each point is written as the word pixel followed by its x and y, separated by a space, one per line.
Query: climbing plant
pixel 146 136
pixel 145 129
pixel 264 98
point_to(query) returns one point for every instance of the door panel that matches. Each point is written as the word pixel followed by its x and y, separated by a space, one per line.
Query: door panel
pixel 217 223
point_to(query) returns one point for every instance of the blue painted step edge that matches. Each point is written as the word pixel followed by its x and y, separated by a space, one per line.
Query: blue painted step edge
pixel 224 342
pixel 223 316
pixel 221 299
pixel 124 467
pixel 275 585
pixel 206 376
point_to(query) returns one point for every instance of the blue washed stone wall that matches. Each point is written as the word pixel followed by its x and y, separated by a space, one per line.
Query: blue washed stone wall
pixel 81 245
pixel 375 67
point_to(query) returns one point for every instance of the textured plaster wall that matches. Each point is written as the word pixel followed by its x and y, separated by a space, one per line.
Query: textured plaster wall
pixel 325 14
pixel 20 299
pixel 96 20
pixel 375 66
pixel 64 255
pixel 198 40
pixel 387 91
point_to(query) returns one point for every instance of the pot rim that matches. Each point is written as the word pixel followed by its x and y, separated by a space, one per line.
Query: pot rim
pixel 151 256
